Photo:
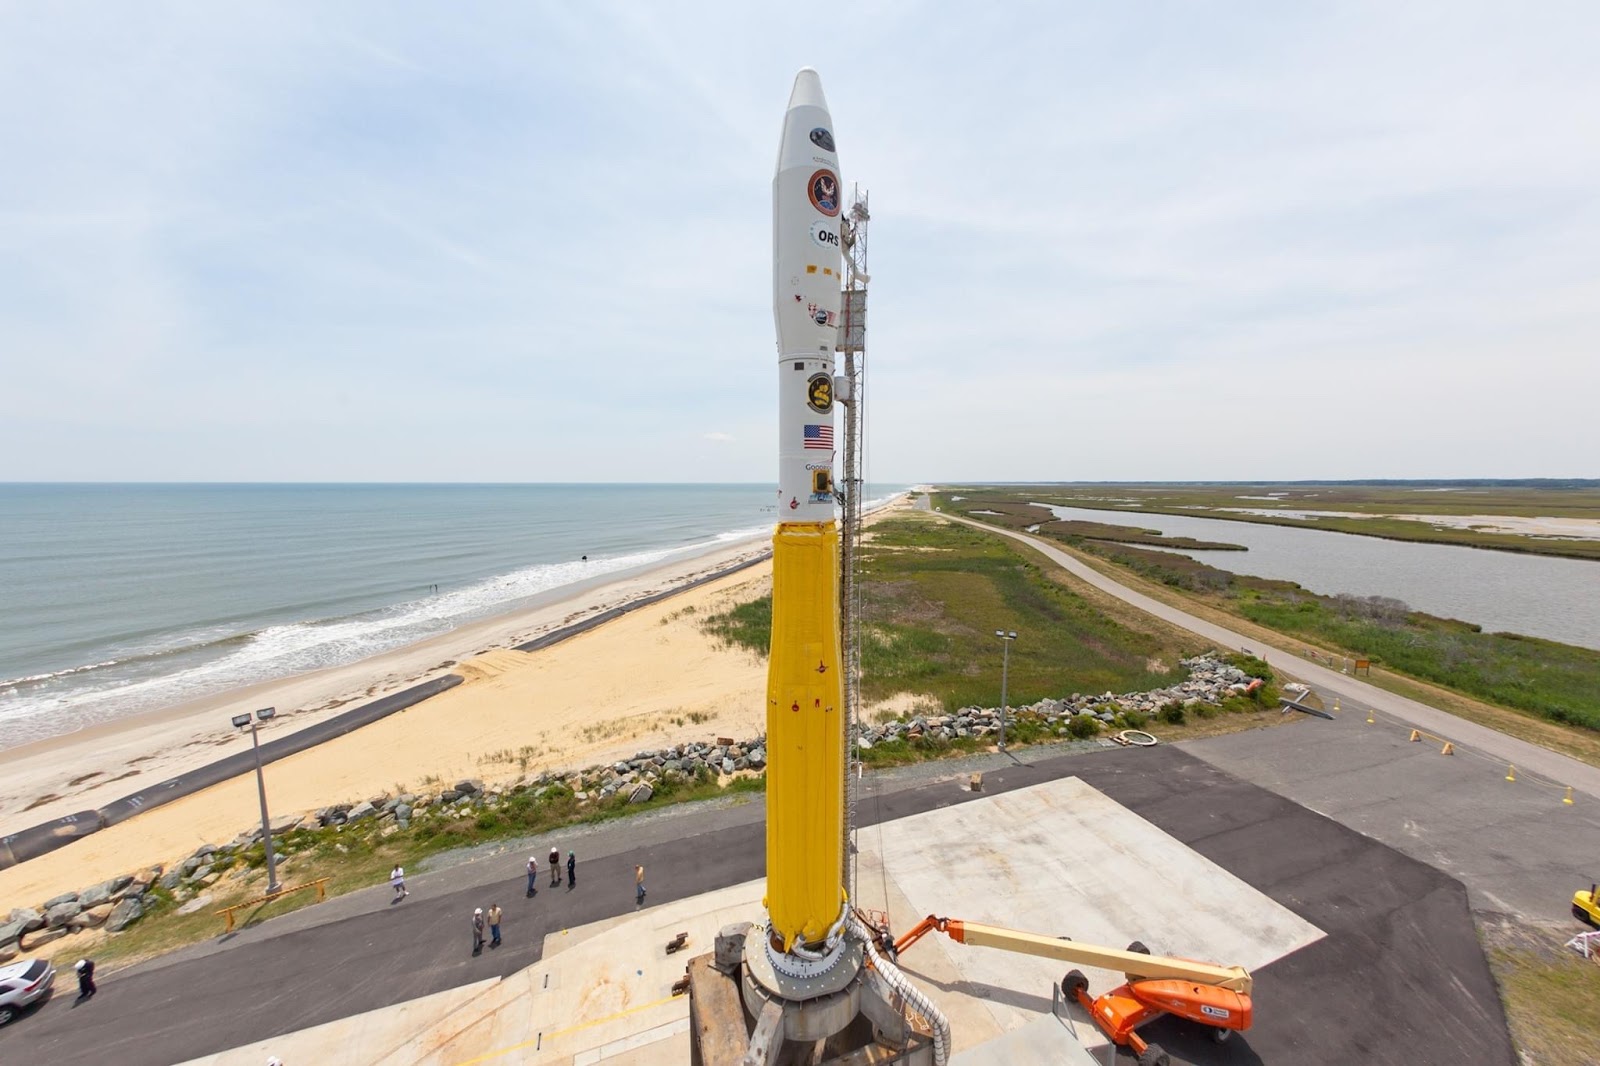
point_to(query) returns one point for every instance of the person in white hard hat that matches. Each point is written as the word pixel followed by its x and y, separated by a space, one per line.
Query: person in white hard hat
pixel 85 969
pixel 533 876
pixel 477 931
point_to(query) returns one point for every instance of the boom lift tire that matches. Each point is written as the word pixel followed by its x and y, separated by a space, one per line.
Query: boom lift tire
pixel 1075 982
pixel 1152 1055
pixel 1137 945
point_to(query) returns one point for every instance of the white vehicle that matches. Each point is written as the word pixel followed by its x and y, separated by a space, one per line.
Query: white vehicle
pixel 23 983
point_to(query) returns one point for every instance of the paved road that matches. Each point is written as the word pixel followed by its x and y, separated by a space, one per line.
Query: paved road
pixel 1400 977
pixel 1527 757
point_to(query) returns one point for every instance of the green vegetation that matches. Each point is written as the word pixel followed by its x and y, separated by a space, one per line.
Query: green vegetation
pixel 1555 682
pixel 1368 507
pixel 935 593
pixel 1550 1001
pixel 360 855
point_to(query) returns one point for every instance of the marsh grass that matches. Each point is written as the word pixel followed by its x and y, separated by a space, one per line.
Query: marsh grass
pixel 934 592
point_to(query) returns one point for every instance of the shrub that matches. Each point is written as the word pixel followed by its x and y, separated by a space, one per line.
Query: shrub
pixel 1172 713
pixel 1133 719
pixel 1083 726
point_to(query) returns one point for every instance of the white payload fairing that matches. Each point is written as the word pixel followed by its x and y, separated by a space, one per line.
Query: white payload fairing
pixel 807 199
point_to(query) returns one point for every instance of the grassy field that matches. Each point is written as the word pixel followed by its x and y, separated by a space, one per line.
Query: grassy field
pixel 1368 507
pixel 1551 994
pixel 1559 683
pixel 934 594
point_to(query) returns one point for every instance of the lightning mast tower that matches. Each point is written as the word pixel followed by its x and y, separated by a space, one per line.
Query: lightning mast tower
pixel 851 394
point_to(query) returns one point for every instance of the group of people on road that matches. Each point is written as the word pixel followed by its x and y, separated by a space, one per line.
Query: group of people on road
pixel 492 920
pixel 488 922
pixel 555 871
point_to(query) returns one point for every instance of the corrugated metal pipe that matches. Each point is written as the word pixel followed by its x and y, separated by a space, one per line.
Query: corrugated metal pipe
pixel 914 996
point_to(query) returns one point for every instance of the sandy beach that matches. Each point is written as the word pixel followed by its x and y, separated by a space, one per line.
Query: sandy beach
pixel 638 681
pixel 609 691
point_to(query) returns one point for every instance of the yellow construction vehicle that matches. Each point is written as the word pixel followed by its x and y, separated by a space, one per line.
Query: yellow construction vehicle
pixel 1586 905
pixel 1214 996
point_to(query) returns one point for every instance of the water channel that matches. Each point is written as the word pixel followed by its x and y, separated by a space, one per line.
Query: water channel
pixel 1536 595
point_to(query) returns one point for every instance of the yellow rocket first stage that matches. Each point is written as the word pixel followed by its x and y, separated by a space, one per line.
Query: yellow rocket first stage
pixel 805 690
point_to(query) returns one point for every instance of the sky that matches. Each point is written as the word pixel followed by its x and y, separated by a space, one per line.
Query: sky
pixel 531 242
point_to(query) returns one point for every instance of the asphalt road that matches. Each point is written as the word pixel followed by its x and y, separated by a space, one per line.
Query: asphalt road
pixel 1399 978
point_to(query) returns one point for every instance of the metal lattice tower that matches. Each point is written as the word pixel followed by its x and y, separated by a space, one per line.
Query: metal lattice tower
pixel 853 345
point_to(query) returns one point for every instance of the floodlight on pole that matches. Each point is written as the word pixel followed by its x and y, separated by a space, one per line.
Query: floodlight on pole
pixel 1007 636
pixel 240 721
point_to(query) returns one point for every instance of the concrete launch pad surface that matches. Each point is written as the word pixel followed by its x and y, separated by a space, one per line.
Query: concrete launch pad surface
pixel 1060 858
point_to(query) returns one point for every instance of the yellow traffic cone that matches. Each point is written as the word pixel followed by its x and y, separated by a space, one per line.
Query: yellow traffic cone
pixel 1511 773
pixel 1568 799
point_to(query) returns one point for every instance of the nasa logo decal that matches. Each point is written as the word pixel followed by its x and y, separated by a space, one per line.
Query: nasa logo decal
pixel 819 393
pixel 826 234
pixel 822 139
pixel 823 189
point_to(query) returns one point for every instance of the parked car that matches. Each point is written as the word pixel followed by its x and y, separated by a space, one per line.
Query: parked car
pixel 23 983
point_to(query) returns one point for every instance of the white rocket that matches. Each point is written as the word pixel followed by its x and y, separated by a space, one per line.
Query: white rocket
pixel 807 206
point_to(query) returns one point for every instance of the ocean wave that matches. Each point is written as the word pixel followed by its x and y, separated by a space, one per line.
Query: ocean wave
pixel 170 675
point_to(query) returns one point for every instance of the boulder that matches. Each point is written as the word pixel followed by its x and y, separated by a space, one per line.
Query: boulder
pixel 189 866
pixel 199 903
pixel 360 811
pixel 124 914
pixel 402 811
pixel 210 878
pixel 286 824
pixel 57 916
pixel 727 765
pixel 758 758
pixel 863 743
pixel 56 901
pixel 449 795
pixel 170 880
pixel 43 937
pixel 469 786
pixel 95 895
pixel 641 793
pixel 6 955
pixel 96 916
pixel 201 873
pixel 10 933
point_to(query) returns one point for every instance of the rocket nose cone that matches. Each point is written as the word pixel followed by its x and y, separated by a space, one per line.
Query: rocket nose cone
pixel 807 90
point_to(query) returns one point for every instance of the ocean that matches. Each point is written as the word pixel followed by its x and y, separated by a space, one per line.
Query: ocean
pixel 116 599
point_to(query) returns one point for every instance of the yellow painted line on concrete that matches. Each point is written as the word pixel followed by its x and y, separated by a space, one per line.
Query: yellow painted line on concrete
pixel 567 1031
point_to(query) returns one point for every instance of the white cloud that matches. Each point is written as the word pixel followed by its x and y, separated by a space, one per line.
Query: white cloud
pixel 308 243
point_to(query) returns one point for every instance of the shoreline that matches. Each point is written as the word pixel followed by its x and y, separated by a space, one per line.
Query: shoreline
pixel 56 776
pixel 646 679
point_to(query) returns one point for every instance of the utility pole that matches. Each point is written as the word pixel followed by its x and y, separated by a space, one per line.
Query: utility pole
pixel 240 721
pixel 1005 677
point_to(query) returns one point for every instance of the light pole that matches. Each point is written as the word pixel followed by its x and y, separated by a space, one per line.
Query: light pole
pixel 239 722
pixel 1005 676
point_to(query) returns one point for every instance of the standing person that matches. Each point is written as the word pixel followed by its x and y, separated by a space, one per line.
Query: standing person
pixel 638 884
pixel 397 878
pixel 555 866
pixel 494 925
pixel 572 870
pixel 85 968
pixel 533 877
pixel 477 931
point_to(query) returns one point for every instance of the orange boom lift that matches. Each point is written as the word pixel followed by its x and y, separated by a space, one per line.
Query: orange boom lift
pixel 1214 996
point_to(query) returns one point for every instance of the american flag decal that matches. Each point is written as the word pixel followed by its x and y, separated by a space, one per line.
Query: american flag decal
pixel 820 437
